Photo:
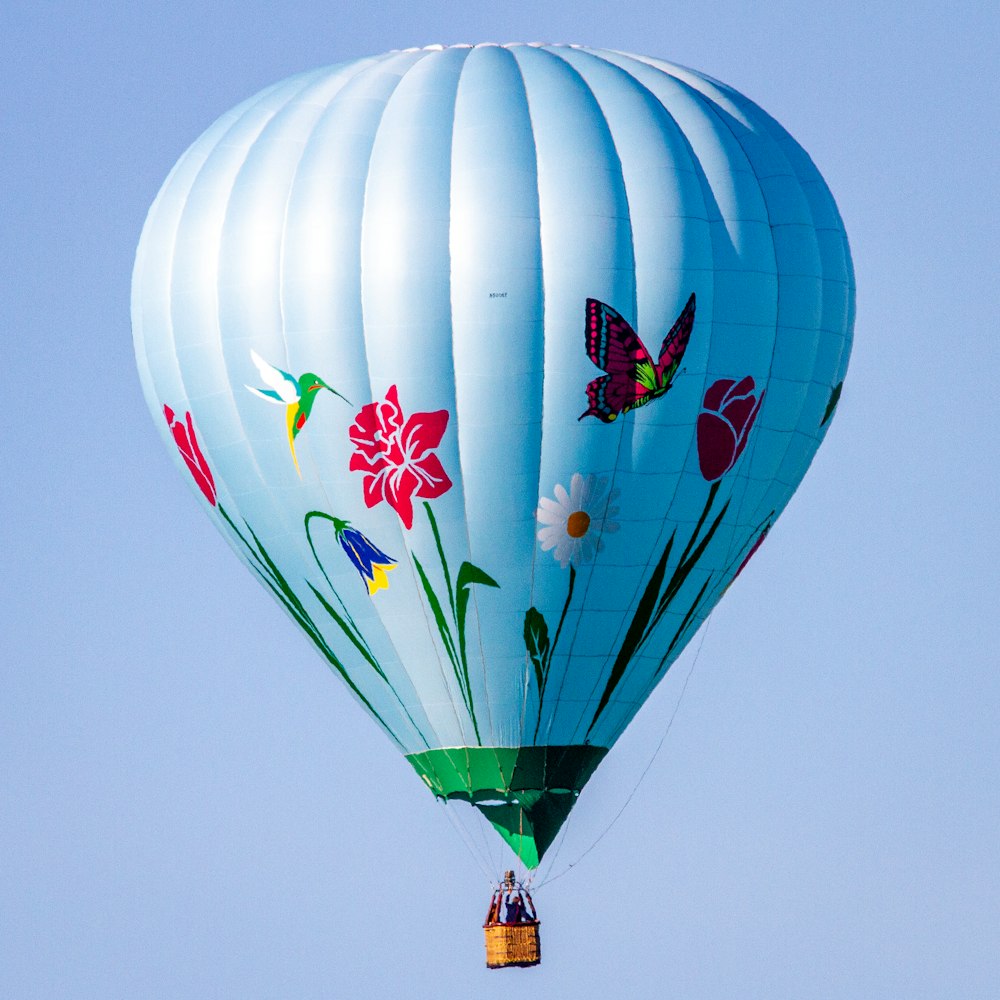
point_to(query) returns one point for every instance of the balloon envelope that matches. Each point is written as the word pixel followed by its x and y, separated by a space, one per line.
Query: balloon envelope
pixel 495 364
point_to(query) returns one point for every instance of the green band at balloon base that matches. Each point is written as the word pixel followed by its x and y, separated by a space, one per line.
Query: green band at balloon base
pixel 525 792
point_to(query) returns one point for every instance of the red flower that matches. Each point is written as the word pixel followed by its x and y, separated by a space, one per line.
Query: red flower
pixel 724 423
pixel 396 455
pixel 187 445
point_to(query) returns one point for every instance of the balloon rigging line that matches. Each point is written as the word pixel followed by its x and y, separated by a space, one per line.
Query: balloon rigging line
pixel 475 853
pixel 652 760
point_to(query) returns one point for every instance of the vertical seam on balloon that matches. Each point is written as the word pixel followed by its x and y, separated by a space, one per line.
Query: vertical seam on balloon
pixel 249 109
pixel 364 345
pixel 708 107
pixel 705 107
pixel 706 190
pixel 305 80
pixel 526 673
pixel 226 216
pixel 363 679
pixel 600 673
pixel 379 64
pixel 150 386
pixel 798 179
pixel 309 80
pixel 281 519
pixel 454 382
pixel 400 659
pixel 746 461
pixel 447 689
pixel 811 177
pixel 359 71
pixel 596 105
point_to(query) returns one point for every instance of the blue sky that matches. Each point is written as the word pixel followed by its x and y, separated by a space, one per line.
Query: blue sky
pixel 183 814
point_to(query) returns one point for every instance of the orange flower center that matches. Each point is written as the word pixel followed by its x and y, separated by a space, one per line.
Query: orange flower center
pixel 577 524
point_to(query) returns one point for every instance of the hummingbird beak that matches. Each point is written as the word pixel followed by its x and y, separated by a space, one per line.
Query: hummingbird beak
pixel 320 384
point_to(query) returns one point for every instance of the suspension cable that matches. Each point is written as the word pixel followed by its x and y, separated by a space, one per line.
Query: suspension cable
pixel 659 746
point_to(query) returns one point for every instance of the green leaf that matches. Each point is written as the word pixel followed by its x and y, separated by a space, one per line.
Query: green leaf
pixel 713 492
pixel 469 574
pixel 686 621
pixel 350 632
pixel 684 568
pixel 536 643
pixel 438 612
pixel 440 550
pixel 275 581
pixel 637 629
pixel 833 401
pixel 305 622
pixel 550 652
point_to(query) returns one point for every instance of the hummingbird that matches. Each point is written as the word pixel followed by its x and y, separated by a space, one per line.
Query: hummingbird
pixel 297 395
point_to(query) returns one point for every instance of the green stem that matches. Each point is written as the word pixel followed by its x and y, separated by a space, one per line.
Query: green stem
pixel 440 550
pixel 322 569
pixel 353 637
pixel 272 577
pixel 695 606
pixel 349 627
pixel 713 492
pixel 637 630
pixel 562 617
pixel 442 624
pixel 546 666
pixel 456 651
pixel 683 570
pixel 654 603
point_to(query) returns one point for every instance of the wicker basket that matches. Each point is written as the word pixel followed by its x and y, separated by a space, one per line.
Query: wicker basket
pixel 512 945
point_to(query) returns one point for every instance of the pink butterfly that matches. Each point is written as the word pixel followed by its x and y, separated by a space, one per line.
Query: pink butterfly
pixel 633 378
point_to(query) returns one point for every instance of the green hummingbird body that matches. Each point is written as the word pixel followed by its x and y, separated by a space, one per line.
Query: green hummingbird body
pixel 297 394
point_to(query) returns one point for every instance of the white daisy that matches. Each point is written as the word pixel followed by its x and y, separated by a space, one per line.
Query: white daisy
pixel 574 522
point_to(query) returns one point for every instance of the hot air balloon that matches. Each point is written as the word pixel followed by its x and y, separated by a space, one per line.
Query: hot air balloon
pixel 495 364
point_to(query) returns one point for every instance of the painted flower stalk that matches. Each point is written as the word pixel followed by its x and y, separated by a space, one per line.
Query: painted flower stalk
pixel 571 527
pixel 729 411
pixel 189 448
pixel 396 455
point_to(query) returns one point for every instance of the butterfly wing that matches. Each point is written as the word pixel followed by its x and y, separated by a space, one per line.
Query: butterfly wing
pixel 611 343
pixel 675 344
pixel 616 348
pixel 609 397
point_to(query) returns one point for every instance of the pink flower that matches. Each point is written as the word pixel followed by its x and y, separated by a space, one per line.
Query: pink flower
pixel 396 455
pixel 187 444
pixel 724 423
